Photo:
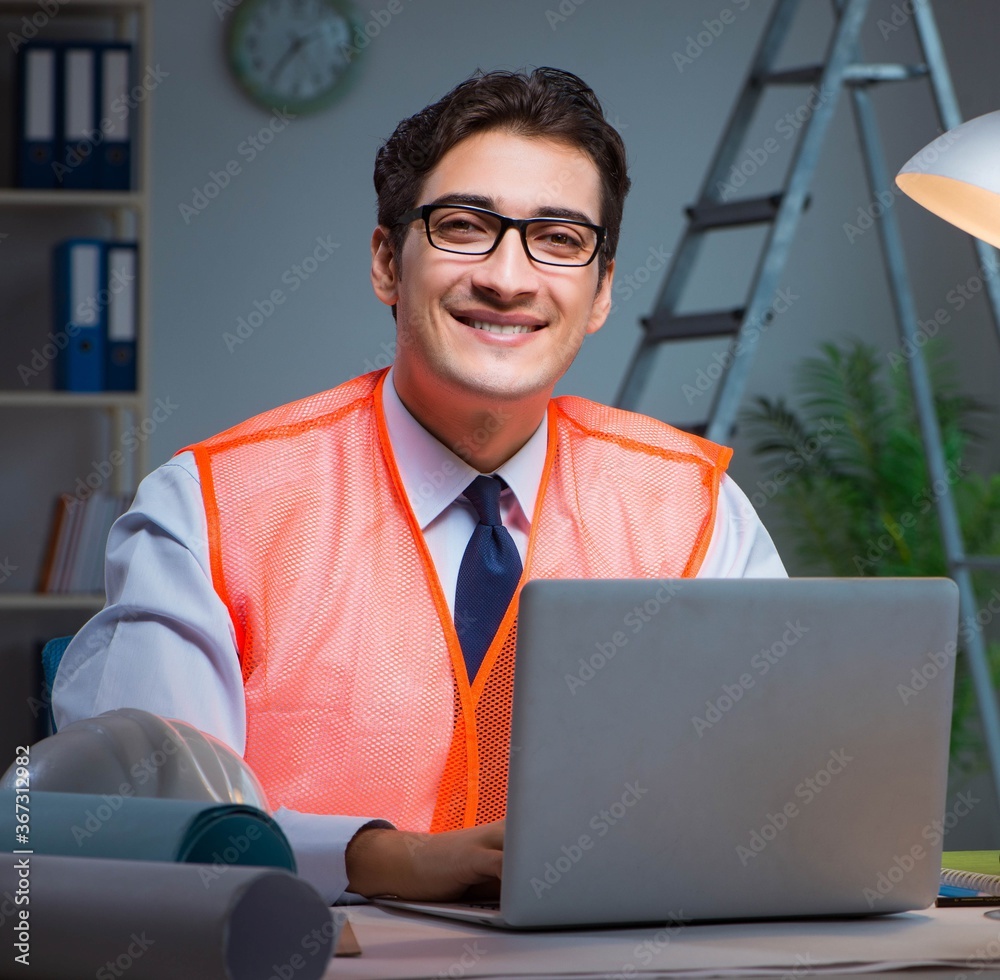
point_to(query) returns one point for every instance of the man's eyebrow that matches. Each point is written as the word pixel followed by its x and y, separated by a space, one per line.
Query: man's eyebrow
pixel 479 201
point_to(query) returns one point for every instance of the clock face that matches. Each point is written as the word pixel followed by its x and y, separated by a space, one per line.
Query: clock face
pixel 294 54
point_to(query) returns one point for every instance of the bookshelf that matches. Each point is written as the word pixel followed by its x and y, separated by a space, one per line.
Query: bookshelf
pixel 52 439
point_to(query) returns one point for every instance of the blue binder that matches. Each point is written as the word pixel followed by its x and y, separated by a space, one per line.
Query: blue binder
pixel 79 324
pixel 121 280
pixel 114 84
pixel 37 118
pixel 77 166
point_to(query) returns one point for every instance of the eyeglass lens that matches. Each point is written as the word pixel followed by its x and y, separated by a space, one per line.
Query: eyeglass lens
pixel 548 240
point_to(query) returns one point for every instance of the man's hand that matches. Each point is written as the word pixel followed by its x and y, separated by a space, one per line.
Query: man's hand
pixel 425 867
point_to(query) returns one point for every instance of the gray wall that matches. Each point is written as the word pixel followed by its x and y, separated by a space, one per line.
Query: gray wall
pixel 313 180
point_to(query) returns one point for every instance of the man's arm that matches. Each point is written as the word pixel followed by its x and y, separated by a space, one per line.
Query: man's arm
pixel 164 642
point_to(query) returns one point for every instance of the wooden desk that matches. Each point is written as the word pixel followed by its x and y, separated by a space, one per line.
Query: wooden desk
pixel 398 945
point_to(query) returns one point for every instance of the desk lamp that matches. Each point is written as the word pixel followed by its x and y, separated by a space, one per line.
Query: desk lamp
pixel 957 176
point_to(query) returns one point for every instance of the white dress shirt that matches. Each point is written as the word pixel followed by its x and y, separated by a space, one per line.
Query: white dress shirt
pixel 164 641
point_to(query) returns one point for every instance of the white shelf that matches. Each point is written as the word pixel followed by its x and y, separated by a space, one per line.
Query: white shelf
pixel 85 8
pixel 50 601
pixel 112 200
pixel 71 399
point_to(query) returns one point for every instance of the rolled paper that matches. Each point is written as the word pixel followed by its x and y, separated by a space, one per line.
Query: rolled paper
pixel 63 918
pixel 109 825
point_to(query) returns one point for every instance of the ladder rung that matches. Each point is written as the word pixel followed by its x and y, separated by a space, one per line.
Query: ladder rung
pixel 856 74
pixel 980 561
pixel 863 74
pixel 806 75
pixel 667 326
pixel 749 211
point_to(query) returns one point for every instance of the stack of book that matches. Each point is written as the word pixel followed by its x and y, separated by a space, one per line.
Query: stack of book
pixel 74 561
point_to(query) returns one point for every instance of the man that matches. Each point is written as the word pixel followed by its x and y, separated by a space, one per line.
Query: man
pixel 331 587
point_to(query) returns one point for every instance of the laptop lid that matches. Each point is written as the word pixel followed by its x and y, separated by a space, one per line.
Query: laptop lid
pixel 727 748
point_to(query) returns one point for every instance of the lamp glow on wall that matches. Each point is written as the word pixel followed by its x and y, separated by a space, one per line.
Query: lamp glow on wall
pixel 957 176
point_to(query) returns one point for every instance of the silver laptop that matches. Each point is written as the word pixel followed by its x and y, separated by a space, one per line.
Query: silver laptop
pixel 687 750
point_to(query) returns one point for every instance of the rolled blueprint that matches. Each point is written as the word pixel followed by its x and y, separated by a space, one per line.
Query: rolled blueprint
pixel 110 825
pixel 63 918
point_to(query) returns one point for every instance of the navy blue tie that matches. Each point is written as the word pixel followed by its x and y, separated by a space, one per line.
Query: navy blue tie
pixel 488 576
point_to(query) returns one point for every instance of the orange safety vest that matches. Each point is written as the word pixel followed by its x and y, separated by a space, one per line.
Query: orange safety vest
pixel 357 696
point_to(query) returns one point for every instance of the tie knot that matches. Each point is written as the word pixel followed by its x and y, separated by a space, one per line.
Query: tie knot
pixel 484 494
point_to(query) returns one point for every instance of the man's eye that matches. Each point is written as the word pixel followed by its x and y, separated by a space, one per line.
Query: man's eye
pixel 460 224
pixel 563 239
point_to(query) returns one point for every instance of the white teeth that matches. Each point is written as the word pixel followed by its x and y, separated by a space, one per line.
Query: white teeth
pixel 501 328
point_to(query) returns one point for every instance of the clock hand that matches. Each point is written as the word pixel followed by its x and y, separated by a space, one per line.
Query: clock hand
pixel 293 50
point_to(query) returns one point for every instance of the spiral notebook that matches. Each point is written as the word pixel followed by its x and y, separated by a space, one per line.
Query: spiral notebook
pixel 970 874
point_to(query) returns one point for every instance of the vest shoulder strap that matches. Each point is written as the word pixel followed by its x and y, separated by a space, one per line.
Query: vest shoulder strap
pixel 629 430
pixel 296 417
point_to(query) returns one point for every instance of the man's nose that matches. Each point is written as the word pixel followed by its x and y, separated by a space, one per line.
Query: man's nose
pixel 507 270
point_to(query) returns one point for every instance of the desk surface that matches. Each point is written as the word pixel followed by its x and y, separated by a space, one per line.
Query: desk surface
pixel 402 945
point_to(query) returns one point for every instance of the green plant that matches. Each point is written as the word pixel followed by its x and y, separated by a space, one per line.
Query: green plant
pixel 851 482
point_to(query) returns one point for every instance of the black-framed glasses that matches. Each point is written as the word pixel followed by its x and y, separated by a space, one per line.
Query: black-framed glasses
pixel 475 231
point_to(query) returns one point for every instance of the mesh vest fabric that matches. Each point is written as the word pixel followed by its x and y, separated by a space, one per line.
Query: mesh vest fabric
pixel 356 693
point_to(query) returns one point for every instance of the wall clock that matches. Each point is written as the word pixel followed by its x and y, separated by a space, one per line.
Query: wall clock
pixel 294 54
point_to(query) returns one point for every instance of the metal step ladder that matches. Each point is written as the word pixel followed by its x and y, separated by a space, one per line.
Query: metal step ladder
pixel 843 69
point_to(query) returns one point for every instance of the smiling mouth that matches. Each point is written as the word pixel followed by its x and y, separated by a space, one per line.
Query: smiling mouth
pixel 501 328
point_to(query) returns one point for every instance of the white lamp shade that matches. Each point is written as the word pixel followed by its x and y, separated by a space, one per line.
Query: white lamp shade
pixel 957 176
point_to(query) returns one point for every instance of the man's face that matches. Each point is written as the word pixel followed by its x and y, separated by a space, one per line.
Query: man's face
pixel 440 295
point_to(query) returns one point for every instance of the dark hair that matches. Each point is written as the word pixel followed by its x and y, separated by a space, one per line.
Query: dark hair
pixel 548 103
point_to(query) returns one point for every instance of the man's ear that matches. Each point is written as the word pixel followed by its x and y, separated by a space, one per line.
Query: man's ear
pixel 602 300
pixel 385 268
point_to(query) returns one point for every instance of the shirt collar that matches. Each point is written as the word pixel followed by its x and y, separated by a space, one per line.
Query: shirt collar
pixel 433 476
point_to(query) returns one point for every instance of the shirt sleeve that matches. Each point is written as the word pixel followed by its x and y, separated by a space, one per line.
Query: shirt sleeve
pixel 164 642
pixel 740 546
